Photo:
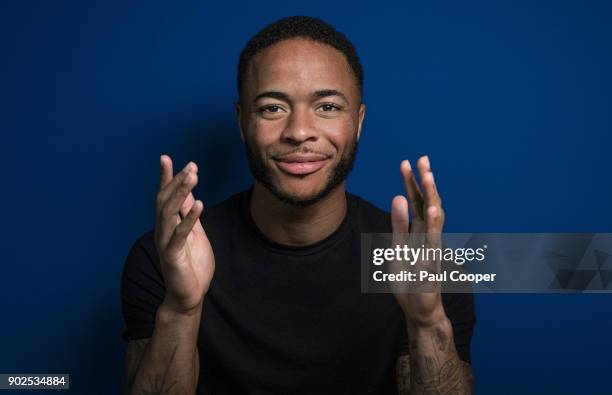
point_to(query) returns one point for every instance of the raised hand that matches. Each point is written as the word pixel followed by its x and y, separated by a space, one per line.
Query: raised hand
pixel 186 256
pixel 425 222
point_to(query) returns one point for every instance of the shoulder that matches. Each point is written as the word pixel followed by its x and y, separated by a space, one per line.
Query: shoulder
pixel 367 217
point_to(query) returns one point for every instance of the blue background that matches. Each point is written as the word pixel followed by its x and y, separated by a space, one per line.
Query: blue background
pixel 511 100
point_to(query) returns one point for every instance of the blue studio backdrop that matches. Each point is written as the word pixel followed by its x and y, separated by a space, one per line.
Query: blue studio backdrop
pixel 510 99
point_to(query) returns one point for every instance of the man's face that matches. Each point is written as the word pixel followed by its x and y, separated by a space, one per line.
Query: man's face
pixel 300 117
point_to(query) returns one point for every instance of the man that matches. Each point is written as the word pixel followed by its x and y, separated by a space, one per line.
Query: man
pixel 261 294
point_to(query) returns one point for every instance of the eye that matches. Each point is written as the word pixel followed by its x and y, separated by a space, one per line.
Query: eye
pixel 327 107
pixel 271 109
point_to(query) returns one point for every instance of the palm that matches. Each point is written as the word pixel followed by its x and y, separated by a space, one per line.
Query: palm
pixel 191 284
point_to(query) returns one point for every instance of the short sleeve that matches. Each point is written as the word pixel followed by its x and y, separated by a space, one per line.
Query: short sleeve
pixel 142 289
pixel 459 308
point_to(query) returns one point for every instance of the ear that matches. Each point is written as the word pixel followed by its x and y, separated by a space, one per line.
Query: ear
pixel 239 117
pixel 362 109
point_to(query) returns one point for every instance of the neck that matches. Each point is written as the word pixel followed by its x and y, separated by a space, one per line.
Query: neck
pixel 297 225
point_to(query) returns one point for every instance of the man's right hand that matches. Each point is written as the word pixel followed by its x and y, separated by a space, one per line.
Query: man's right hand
pixel 186 256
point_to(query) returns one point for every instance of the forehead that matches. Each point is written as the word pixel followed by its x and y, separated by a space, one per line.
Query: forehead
pixel 300 65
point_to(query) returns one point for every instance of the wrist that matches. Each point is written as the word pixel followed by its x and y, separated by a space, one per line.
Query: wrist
pixel 167 313
pixel 435 319
pixel 170 324
pixel 442 324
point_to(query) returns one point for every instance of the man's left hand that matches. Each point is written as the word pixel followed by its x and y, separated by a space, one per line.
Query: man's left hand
pixel 426 219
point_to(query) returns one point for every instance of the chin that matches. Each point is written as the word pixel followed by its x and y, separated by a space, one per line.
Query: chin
pixel 299 192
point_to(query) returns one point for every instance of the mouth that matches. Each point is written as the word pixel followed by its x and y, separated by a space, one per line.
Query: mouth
pixel 301 164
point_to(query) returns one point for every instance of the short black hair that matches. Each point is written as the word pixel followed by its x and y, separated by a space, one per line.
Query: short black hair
pixel 303 27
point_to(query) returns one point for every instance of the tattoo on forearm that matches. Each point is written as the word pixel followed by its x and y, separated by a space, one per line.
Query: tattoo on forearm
pixel 158 385
pixel 441 339
pixel 427 367
pixel 435 371
pixel 133 358
pixel 402 372
pixel 451 380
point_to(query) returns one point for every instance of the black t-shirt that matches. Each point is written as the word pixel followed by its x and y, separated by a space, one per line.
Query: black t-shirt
pixel 281 319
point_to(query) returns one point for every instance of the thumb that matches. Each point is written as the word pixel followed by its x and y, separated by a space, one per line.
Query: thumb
pixel 400 226
pixel 399 215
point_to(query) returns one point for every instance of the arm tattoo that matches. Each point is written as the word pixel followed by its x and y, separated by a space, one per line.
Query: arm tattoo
pixel 133 357
pixel 438 372
pixel 441 339
pixel 158 385
pixel 402 372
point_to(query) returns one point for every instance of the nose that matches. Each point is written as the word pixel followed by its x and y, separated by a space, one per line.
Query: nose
pixel 299 128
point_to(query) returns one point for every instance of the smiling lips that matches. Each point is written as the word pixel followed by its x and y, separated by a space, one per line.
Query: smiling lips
pixel 301 164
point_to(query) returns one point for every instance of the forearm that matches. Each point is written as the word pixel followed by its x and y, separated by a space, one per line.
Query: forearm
pixel 170 362
pixel 433 366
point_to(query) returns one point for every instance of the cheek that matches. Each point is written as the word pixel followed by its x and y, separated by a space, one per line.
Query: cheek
pixel 261 134
pixel 340 132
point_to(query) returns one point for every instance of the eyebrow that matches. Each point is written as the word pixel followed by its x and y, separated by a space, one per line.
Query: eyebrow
pixel 285 97
pixel 330 92
pixel 273 95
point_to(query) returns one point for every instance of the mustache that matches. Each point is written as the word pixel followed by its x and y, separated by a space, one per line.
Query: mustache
pixel 300 150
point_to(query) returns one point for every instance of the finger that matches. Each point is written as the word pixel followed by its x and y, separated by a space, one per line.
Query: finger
pixel 177 200
pixel 412 190
pixel 168 213
pixel 167 191
pixel 165 176
pixel 165 166
pixel 399 215
pixel 185 210
pixel 400 226
pixel 187 204
pixel 430 190
pixel 427 180
pixel 182 230
pixel 434 220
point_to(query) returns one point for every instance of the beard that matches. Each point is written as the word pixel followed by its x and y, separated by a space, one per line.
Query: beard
pixel 262 173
